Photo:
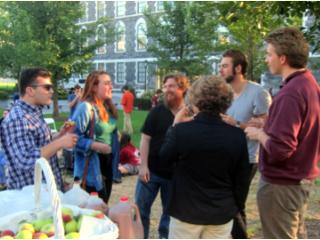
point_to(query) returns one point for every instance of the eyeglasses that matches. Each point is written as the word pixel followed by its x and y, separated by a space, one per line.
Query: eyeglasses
pixel 47 87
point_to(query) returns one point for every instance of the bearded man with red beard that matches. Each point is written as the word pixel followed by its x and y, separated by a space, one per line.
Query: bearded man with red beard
pixel 152 175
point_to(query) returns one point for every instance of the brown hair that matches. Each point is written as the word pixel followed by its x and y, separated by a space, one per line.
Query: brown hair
pixel 89 94
pixel 238 58
pixel 291 43
pixel 211 94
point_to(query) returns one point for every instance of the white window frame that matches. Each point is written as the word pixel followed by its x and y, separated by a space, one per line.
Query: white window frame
pixel 103 7
pixel 85 18
pixel 137 74
pixel 103 49
pixel 140 21
pixel 158 6
pixel 118 24
pixel 116 6
pixel 86 43
pixel 138 6
pixel 116 73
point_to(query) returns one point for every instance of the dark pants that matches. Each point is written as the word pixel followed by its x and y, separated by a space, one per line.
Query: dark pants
pixel 239 228
pixel 145 195
pixel 106 171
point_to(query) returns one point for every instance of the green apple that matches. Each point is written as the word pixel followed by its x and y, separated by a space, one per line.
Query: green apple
pixel 27 226
pixel 73 235
pixel 38 224
pixel 24 234
pixel 71 226
pixel 48 229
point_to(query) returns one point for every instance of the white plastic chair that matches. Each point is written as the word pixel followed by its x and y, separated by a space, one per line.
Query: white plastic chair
pixel 52 124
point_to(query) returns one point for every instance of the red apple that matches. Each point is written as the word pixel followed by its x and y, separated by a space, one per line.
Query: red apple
pixel 98 215
pixel 7 233
pixel 67 214
pixel 39 235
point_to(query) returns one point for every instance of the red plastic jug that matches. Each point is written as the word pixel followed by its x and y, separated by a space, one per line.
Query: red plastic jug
pixel 127 216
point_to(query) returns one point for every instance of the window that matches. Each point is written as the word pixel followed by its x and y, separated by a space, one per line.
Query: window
pixel 85 7
pixel 142 73
pixel 120 8
pixel 142 6
pixel 101 67
pixel 120 37
pixel 160 6
pixel 101 37
pixel 141 36
pixel 100 9
pixel 83 37
pixel 120 72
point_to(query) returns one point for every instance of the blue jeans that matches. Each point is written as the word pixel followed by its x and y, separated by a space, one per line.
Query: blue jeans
pixel 145 195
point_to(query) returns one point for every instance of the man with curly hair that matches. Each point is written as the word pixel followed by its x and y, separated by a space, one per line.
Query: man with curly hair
pixel 290 138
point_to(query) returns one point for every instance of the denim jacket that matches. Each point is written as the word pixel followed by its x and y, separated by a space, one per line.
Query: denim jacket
pixel 82 117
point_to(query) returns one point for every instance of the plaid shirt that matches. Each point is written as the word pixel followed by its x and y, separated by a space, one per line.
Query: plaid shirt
pixel 23 133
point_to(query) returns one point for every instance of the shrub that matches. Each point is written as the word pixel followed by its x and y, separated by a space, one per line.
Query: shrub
pixel 142 103
pixel 4 95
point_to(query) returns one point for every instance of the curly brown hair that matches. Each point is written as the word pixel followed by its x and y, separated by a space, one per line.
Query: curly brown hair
pixel 211 94
pixel 290 42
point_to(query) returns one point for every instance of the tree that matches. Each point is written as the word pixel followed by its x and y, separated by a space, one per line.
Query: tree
pixel 182 37
pixel 248 23
pixel 53 38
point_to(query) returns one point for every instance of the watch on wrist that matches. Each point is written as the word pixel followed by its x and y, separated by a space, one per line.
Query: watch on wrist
pixel 238 124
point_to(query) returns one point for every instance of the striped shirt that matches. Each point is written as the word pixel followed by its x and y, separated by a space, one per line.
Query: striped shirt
pixel 23 133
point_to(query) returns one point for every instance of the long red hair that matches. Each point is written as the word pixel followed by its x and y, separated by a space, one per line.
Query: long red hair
pixel 90 95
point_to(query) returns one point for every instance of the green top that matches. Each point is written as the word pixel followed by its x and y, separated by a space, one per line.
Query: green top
pixel 103 131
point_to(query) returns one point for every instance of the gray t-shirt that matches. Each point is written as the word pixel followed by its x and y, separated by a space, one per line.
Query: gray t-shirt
pixel 253 101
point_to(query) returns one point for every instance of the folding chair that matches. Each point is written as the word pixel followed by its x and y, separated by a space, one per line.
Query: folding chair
pixel 52 125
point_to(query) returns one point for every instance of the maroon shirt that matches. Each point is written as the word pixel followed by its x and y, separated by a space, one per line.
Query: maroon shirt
pixel 293 151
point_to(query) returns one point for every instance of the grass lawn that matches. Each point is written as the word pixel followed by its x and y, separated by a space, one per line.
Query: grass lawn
pixel 137 118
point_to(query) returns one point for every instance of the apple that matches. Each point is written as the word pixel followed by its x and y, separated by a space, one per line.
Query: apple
pixel 71 226
pixel 39 235
pixel 73 235
pixel 98 214
pixel 6 237
pixel 7 233
pixel 79 223
pixel 27 226
pixel 38 224
pixel 67 214
pixel 24 234
pixel 48 229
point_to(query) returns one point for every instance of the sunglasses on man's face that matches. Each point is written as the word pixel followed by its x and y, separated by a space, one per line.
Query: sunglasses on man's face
pixel 47 87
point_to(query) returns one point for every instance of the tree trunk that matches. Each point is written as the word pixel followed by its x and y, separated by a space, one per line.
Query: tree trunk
pixel 55 96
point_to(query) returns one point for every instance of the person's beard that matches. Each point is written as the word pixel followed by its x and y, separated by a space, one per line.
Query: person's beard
pixel 230 78
pixel 171 100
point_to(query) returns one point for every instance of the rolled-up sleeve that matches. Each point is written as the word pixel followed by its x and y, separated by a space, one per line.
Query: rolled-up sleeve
pixel 82 118
pixel 20 144
pixel 283 129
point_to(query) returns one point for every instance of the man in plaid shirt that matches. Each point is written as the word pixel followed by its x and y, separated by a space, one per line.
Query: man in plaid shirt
pixel 24 134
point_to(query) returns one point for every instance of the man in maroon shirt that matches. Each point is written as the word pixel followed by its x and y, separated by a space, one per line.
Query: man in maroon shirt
pixel 290 138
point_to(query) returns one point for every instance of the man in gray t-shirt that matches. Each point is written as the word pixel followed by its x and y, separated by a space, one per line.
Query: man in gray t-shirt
pixel 250 101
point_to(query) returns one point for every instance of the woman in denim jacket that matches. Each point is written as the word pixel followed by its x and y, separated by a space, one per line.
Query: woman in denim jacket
pixel 97 90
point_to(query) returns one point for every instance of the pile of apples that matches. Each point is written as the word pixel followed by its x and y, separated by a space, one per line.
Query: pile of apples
pixel 44 228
